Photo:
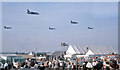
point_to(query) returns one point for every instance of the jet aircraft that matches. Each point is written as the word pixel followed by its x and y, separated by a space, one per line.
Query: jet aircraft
pixel 64 44
pixel 7 27
pixel 73 22
pixel 51 28
pixel 30 12
pixel 90 28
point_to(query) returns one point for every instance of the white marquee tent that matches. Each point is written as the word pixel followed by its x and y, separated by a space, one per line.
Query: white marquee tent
pixel 92 50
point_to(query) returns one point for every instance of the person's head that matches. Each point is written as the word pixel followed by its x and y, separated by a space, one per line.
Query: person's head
pixel 43 64
pixel 84 61
pixel 72 63
pixel 107 62
pixel 69 63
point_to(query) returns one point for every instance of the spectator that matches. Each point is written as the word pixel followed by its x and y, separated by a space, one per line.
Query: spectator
pixel 1 66
pixel 53 65
pixel 50 64
pixel 69 67
pixel 107 66
pixel 73 66
pixel 119 63
pixel 6 66
pixel 99 65
pixel 42 67
pixel 84 65
pixel 10 65
pixel 114 64
pixel 89 65
pixel 15 64
pixel 104 64
pixel 57 65
pixel 94 65
pixel 36 65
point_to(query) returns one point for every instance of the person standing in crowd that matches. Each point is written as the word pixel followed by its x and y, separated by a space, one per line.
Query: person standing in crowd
pixel 15 64
pixel 57 65
pixel 28 63
pixel 32 64
pixel 113 64
pixel 89 65
pixel 36 65
pixel 10 64
pixel 42 67
pixel 104 64
pixel 50 64
pixel 84 65
pixel 25 66
pixel 73 66
pixel 53 65
pixel 6 65
pixel 22 64
pixel 62 65
pixel 99 65
pixel 1 66
pixel 19 64
pixel 119 63
pixel 94 65
pixel 47 64
pixel 69 66
pixel 107 66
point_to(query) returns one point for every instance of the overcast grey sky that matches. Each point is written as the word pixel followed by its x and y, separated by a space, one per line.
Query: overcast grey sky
pixel 31 31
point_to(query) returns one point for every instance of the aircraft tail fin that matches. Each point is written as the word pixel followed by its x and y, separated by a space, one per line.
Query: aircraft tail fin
pixel 28 11
pixel 4 26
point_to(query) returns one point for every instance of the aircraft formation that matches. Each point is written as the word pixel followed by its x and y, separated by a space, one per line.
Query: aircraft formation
pixel 51 28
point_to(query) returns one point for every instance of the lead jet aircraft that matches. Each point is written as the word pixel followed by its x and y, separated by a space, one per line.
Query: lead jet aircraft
pixel 6 27
pixel 90 28
pixel 30 12
pixel 51 28
pixel 73 22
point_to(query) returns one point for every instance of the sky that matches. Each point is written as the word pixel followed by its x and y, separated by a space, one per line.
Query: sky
pixel 31 32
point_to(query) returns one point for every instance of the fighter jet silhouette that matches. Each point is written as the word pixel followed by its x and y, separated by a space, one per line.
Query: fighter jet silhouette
pixel 73 22
pixel 64 44
pixel 7 27
pixel 90 28
pixel 30 12
pixel 51 28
